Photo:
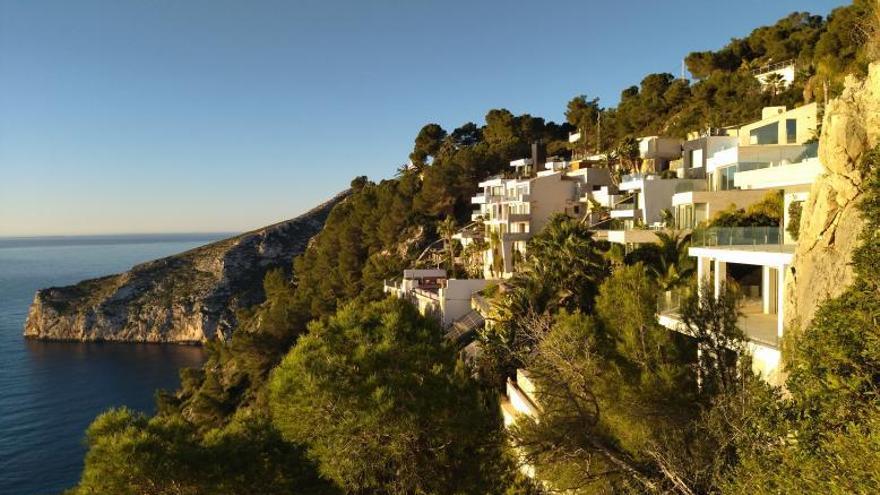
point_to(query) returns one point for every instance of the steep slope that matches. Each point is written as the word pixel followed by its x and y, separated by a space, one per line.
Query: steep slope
pixel 186 298
pixel 831 222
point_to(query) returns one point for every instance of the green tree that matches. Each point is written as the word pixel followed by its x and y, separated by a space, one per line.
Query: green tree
pixel 446 229
pixel 826 440
pixel 712 320
pixel 377 399
pixel 583 114
pixel 131 454
pixel 427 144
pixel 673 267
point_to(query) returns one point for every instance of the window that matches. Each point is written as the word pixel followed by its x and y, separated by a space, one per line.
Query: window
pixel 696 158
pixel 791 131
pixel 725 178
pixel 768 134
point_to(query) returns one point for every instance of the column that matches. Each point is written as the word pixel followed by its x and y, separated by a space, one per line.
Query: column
pixel 702 271
pixel 720 276
pixel 780 294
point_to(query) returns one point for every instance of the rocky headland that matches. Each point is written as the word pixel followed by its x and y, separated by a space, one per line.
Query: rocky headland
pixel 190 297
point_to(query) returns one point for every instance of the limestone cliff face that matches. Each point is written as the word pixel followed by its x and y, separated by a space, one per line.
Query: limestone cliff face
pixel 830 222
pixel 186 298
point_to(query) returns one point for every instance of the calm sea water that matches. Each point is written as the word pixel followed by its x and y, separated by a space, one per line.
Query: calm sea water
pixel 49 391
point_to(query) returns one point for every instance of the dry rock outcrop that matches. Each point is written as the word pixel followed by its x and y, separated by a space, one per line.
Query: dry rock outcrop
pixel 186 298
pixel 830 221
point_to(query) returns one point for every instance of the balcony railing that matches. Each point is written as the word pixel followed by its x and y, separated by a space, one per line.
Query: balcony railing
pixel 772 67
pixel 757 326
pixel 669 302
pixel 767 160
pixel 636 176
pixel 745 237
pixel 690 186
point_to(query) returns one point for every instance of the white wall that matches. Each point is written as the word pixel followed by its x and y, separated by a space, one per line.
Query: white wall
pixel 455 298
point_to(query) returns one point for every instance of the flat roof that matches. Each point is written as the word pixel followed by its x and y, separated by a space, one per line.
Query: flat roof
pixel 775 255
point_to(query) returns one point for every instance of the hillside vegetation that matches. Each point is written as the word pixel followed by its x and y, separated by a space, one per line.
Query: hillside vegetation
pixel 328 388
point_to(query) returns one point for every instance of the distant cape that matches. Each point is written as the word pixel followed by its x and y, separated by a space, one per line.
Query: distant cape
pixel 190 297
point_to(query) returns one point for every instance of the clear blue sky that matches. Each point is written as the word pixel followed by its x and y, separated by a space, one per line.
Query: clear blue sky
pixel 214 115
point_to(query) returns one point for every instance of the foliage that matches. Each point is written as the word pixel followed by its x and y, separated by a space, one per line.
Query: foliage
pixel 379 402
pixel 712 320
pixel 795 209
pixel 673 267
pixel 131 454
pixel 562 270
pixel 764 213
pixel 610 389
pixel 827 441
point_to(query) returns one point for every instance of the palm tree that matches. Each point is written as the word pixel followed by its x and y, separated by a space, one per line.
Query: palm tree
pixel 774 83
pixel 562 268
pixel 674 268
pixel 446 229
pixel 627 153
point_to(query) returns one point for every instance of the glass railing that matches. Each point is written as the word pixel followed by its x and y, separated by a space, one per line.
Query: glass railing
pixel 740 237
pixel 778 157
pixel 669 302
pixel 632 177
pixel 690 186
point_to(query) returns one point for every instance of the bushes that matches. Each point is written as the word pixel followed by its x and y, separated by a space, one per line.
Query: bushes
pixel 764 213
pixel 377 399
pixel 794 219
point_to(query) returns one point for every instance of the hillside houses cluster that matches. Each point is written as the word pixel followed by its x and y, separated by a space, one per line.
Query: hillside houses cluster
pixel 682 184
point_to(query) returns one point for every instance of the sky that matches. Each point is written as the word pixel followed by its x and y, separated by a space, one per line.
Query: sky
pixel 158 116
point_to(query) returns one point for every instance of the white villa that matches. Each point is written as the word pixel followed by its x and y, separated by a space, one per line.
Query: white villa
pixel 448 300
pixel 514 209
pixel 754 259
pixel 772 153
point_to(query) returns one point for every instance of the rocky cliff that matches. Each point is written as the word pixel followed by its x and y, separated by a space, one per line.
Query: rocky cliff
pixel 830 222
pixel 186 298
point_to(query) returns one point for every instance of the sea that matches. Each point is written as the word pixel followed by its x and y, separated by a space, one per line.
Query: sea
pixel 51 391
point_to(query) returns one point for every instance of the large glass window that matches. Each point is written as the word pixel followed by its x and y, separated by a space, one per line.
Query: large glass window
pixel 791 131
pixel 768 134
pixel 725 176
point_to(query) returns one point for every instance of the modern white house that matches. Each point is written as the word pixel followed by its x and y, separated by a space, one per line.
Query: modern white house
pixel 697 149
pixel 448 300
pixel 783 72
pixel 755 260
pixel 656 152
pixel 514 209
pixel 777 148
pixel 645 196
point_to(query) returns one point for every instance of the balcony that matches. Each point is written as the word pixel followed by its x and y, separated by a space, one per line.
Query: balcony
pixel 479 199
pixel 769 175
pixel 754 238
pixel 758 327
pixel 516 236
pixel 761 156
pixel 626 210
pixel 631 236
pixel 519 217
pixel 690 186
